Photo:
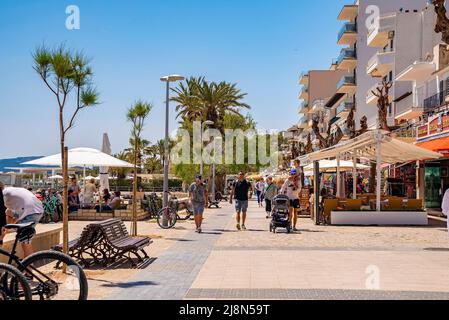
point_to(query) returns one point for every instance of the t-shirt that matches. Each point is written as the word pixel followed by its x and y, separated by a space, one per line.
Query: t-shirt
pixel 22 201
pixel 115 203
pixel 291 189
pixel 260 186
pixel 198 192
pixel 241 189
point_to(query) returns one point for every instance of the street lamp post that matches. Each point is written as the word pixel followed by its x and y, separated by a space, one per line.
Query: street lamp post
pixel 205 123
pixel 168 79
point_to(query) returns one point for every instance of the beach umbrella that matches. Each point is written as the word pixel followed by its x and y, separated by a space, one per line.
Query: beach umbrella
pixel 104 170
pixel 90 178
pixel 55 177
pixel 82 157
pixel 331 166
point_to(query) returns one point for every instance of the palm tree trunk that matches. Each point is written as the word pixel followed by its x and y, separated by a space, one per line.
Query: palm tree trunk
pixel 134 223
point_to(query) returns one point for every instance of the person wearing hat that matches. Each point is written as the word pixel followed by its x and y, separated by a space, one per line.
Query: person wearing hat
pixel 198 197
pixel 291 189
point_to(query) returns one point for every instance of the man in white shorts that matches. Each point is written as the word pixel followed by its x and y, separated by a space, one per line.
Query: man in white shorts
pixel 22 207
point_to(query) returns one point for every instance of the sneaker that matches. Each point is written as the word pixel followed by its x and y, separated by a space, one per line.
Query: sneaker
pixel 238 226
pixel 243 227
pixel 199 230
pixel 295 230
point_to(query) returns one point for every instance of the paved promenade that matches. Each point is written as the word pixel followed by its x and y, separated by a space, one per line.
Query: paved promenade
pixel 317 263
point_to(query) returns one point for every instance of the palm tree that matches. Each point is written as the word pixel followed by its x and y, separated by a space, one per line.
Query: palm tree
pixel 68 76
pixel 137 115
pixel 199 100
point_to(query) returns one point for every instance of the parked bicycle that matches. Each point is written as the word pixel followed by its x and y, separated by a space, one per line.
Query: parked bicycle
pixel 168 216
pixel 13 284
pixel 51 275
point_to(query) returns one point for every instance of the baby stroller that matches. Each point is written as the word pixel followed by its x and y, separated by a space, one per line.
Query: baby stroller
pixel 280 214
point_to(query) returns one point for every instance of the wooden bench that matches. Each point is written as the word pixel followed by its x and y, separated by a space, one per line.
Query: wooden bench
pixel 105 242
pixel 119 244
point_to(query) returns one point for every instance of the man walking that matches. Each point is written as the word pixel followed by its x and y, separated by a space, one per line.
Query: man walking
pixel 241 193
pixel 198 197
pixel 22 207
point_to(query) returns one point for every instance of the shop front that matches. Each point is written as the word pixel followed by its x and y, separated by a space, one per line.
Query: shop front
pixel 434 136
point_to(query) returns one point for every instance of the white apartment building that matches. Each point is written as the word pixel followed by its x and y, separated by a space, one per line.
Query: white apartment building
pixel 360 52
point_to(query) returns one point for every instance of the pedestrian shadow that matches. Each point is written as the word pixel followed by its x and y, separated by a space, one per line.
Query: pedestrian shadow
pixel 212 233
pixel 126 285
pixel 437 249
pixel 311 231
pixel 179 239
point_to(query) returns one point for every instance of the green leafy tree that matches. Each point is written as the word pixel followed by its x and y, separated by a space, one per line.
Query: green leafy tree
pixel 68 77
pixel 137 115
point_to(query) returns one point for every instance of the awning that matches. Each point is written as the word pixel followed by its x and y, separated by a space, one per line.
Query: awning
pixel 440 145
pixel 393 151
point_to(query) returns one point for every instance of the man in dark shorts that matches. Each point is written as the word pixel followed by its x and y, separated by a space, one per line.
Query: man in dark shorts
pixel 241 192
pixel 199 199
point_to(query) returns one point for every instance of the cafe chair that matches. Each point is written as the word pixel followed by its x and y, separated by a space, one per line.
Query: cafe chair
pixel 353 205
pixel 395 204
pixel 415 205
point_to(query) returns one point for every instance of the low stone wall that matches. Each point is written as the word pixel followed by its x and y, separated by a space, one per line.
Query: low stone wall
pixel 93 215
pixel 47 236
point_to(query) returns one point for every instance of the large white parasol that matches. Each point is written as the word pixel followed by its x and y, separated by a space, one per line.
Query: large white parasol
pixel 104 170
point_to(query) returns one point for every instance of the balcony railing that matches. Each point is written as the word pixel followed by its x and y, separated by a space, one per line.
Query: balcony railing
pixel 345 106
pixel 346 80
pixel 346 54
pixel 347 27
pixel 436 101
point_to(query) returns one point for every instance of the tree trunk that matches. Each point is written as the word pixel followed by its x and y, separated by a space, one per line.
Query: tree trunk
pixel 134 223
pixel 372 178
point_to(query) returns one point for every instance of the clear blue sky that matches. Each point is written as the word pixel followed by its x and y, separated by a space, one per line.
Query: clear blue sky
pixel 262 45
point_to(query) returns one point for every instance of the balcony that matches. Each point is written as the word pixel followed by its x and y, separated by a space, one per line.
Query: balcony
pixel 435 102
pixel 304 94
pixel 418 71
pixel 347 34
pixel 347 59
pixel 347 85
pixel 381 63
pixel 349 12
pixel 406 110
pixel 303 107
pixel 380 35
pixel 303 123
pixel 371 98
pixel 344 108
pixel 304 79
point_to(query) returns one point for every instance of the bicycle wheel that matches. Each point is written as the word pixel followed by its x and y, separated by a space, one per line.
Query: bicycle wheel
pixel 49 280
pixel 166 218
pixel 13 284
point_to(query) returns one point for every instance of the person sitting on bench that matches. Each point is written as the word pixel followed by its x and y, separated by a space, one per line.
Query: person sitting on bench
pixel 114 204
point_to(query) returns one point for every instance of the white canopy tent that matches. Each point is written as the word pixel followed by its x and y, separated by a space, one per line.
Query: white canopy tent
pixel 377 146
pixel 332 165
pixel 82 157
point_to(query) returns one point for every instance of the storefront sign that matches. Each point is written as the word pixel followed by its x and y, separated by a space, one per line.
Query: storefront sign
pixel 435 126
pixel 423 131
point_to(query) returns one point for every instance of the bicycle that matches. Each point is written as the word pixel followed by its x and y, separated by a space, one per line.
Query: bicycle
pixel 13 284
pixel 168 216
pixel 51 275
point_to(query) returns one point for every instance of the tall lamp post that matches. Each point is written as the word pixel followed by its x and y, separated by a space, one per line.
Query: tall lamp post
pixel 205 123
pixel 168 79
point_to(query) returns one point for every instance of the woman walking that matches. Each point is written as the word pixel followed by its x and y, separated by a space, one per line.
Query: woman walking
pixel 271 191
pixel 291 189
pixel 260 188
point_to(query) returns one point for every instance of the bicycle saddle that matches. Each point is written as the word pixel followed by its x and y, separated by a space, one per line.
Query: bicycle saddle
pixel 19 227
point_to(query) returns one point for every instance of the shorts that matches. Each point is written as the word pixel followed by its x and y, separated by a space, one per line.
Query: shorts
pixel 295 204
pixel 198 208
pixel 241 205
pixel 268 205
pixel 26 237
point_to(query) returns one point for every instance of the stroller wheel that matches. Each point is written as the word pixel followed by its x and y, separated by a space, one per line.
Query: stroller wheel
pixel 271 228
pixel 289 229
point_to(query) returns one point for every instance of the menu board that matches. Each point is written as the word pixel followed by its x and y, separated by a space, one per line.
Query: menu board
pixel 304 198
